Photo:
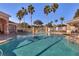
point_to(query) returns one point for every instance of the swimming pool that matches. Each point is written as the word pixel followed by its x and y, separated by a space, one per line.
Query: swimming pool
pixel 55 45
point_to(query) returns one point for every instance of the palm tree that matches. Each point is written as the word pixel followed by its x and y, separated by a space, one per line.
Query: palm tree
pixel 62 19
pixel 21 13
pixel 24 14
pixel 31 11
pixel 47 10
pixel 24 25
pixel 54 7
pixel 49 24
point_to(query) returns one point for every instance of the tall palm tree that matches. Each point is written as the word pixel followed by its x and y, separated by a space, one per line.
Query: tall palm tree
pixel 21 13
pixel 24 11
pixel 47 10
pixel 49 24
pixel 54 7
pixel 62 19
pixel 31 10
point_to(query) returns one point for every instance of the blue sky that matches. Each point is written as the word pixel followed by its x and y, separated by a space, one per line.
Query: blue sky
pixel 67 10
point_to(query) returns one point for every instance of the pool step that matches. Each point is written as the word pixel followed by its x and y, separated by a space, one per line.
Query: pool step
pixel 36 47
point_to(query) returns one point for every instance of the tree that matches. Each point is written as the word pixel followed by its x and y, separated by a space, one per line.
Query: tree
pixel 49 24
pixel 19 16
pixel 31 10
pixel 24 25
pixel 62 19
pixel 21 13
pixel 47 10
pixel 38 22
pixel 54 7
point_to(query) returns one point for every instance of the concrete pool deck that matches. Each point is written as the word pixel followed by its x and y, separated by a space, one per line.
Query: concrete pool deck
pixel 2 41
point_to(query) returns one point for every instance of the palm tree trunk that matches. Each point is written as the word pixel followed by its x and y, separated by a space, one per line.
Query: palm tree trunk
pixel 19 21
pixel 19 24
pixel 61 23
pixel 31 19
pixel 24 25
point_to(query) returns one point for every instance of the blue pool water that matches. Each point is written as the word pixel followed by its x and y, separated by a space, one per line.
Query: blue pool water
pixel 55 45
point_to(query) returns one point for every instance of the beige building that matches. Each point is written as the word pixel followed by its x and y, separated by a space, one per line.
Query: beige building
pixel 73 25
pixel 61 28
pixel 12 27
pixel 6 26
